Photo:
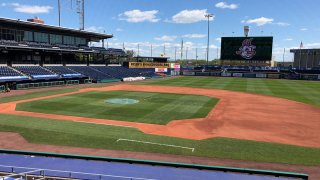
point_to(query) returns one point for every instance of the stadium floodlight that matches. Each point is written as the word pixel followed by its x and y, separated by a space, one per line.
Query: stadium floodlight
pixel 208 15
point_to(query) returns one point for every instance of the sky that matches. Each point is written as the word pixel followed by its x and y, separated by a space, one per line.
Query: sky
pixel 165 23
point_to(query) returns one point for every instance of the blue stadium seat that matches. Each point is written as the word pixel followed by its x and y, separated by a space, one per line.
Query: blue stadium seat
pixel 8 74
pixel 37 72
pixel 64 71
pixel 91 72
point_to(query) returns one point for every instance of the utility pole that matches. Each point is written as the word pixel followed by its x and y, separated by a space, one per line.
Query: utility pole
pixel 151 50
pixel 138 50
pixel 175 54
pixel 186 53
pixel 196 56
pixel 181 52
pixel 208 15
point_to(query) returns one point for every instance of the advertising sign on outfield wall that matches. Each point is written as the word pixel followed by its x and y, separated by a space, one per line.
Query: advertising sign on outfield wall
pixel 188 73
pixel 226 74
pixel 161 69
pixel 237 74
pixel 148 65
pixel 261 75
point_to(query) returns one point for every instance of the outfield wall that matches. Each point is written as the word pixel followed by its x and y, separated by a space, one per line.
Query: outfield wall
pixel 268 75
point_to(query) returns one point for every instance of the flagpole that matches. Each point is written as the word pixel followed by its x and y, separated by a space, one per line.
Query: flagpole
pixel 307 59
pixel 284 51
pixel 181 50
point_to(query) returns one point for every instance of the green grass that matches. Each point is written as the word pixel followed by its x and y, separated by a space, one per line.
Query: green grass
pixel 303 91
pixel 44 131
pixel 154 108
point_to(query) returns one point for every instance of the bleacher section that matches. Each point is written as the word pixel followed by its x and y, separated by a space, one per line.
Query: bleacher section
pixel 64 71
pixel 91 72
pixel 36 72
pixel 8 74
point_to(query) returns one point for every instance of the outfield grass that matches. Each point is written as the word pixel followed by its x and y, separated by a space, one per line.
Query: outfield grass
pixel 297 90
pixel 45 131
pixel 153 108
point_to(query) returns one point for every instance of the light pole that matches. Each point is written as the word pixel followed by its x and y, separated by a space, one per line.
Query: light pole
pixel 208 15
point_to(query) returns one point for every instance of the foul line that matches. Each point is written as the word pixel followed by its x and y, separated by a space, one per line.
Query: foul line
pixel 146 142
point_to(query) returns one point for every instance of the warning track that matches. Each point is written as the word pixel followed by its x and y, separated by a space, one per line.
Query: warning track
pixel 237 115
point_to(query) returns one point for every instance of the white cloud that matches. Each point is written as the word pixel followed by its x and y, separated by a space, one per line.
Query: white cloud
pixel 119 29
pixel 166 38
pixel 95 29
pixel 218 39
pixel 288 39
pixel 29 9
pixel 190 16
pixel 194 35
pixel 137 15
pixel 303 29
pixel 258 21
pixel 224 5
pixel 312 45
pixel 282 24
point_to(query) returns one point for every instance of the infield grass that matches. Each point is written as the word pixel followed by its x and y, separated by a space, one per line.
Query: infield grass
pixel 303 91
pixel 153 108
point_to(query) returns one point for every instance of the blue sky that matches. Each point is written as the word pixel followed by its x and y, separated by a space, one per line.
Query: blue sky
pixel 167 22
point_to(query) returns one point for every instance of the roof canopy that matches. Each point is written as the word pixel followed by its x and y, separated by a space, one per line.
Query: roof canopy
pixel 17 23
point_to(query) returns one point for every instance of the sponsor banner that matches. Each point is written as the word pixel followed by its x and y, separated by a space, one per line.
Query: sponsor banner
pixel 237 74
pixel 70 75
pixel 261 75
pixel 274 76
pixel 176 66
pixel 188 73
pixel 14 77
pixel 226 74
pixel 44 76
pixel 249 75
pixel 161 69
pixel 133 79
pixel 148 65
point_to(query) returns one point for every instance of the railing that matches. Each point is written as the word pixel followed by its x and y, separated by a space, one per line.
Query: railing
pixel 2 88
pixel 72 82
pixel 39 174
pixel 88 81
pixel 39 85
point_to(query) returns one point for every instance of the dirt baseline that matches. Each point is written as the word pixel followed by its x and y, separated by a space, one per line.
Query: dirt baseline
pixel 237 115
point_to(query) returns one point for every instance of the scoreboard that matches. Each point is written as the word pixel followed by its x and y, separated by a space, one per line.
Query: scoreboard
pixel 246 48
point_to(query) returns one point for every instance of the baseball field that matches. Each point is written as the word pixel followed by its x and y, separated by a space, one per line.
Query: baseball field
pixel 260 120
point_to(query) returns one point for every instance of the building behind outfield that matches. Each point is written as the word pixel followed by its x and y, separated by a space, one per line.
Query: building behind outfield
pixel 306 58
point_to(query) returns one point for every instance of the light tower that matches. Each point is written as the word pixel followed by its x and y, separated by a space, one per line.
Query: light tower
pixel 246 30
pixel 80 11
pixel 208 15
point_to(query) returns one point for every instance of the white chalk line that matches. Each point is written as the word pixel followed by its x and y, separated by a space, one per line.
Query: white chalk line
pixel 146 142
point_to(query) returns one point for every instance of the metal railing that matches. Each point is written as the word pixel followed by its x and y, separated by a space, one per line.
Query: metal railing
pixel 42 174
